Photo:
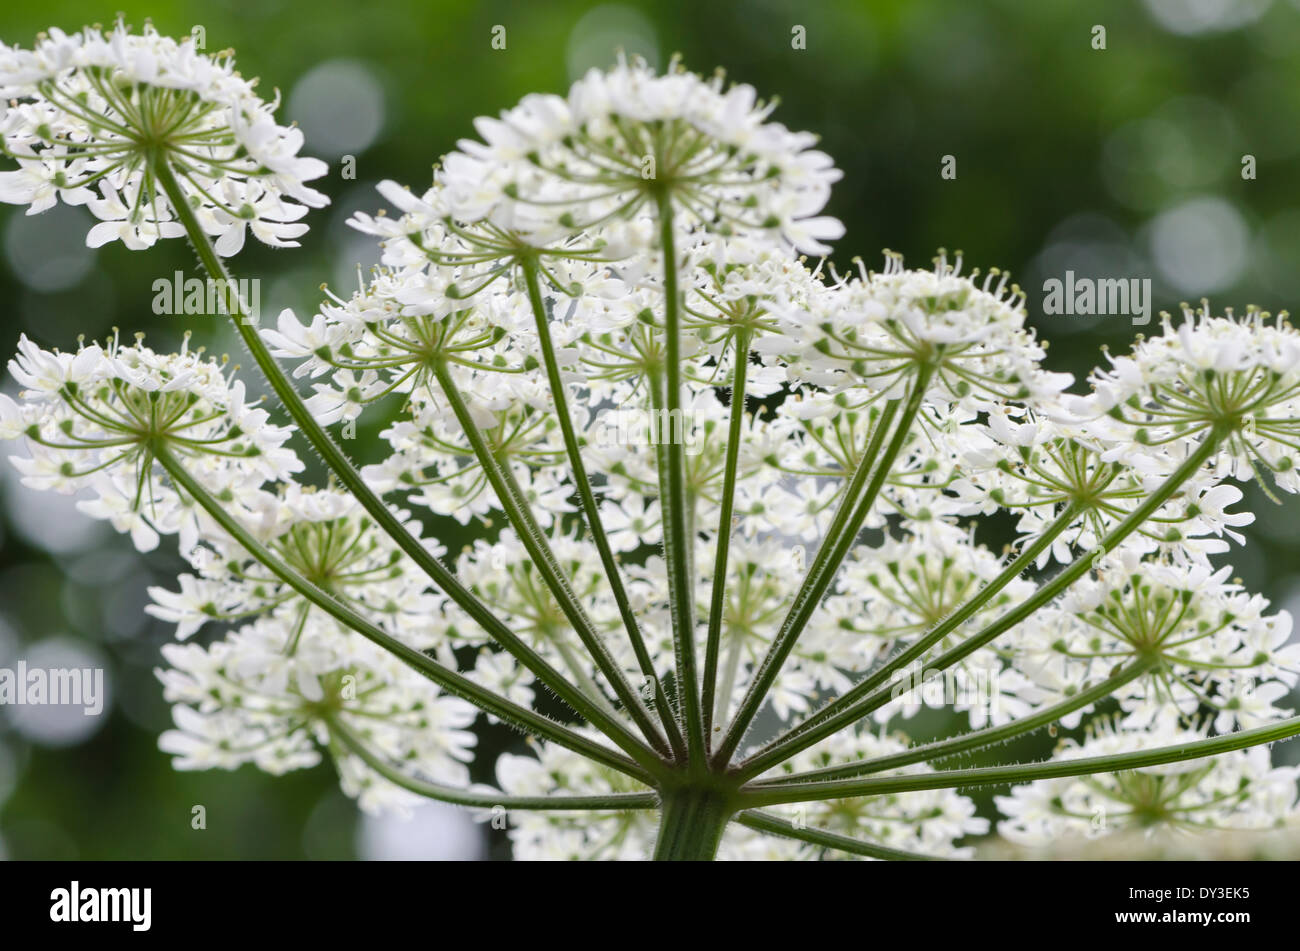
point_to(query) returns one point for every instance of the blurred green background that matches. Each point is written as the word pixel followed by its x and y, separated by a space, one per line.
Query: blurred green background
pixel 1122 162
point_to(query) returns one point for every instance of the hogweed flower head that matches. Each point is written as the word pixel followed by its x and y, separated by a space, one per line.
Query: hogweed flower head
pixel 96 419
pixel 710 480
pixel 92 116
pixel 625 139
pixel 1240 792
pixel 1240 374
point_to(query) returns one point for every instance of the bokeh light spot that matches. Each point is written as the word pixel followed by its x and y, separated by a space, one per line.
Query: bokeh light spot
pixel 1200 246
pixel 340 107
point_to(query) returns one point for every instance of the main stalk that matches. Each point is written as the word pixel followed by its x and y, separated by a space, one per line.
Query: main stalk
pixel 692 820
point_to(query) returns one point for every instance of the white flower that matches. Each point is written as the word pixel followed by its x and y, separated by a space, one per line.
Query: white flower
pixel 96 417
pixel 1239 790
pixel 553 165
pixel 242 700
pixel 1240 376
pixel 98 111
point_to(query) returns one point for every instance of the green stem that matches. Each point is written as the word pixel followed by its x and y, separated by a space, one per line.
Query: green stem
pixel 1022 562
pixel 776 825
pixel 461 797
pixel 348 476
pixel 590 508
pixel 533 539
pixel 573 663
pixel 929 752
pixel 673 500
pixel 448 679
pixel 691 824
pixel 1024 773
pixel 824 569
pixel 843 711
pixel 719 593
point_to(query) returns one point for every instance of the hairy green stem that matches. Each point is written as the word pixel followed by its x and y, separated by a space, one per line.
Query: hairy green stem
pixel 348 476
pixel 718 596
pixel 461 797
pixel 590 508
pixel 534 541
pixel 673 501
pixel 845 711
pixel 776 825
pixel 691 824
pixel 1023 773
pixel 1024 561
pixel 448 679
pixel 929 752
pixel 824 569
